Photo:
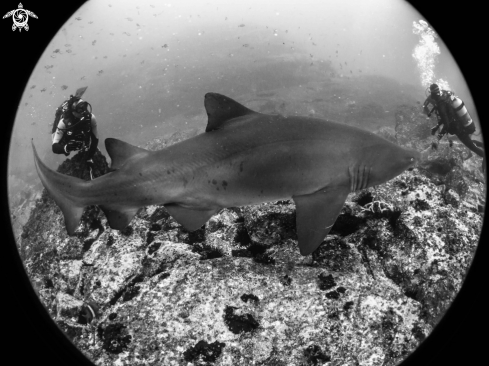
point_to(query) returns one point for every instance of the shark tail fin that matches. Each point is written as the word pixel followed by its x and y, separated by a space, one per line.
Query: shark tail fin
pixel 59 187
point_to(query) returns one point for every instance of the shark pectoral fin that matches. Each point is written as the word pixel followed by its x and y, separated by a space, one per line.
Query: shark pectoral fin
pixel 119 218
pixel 191 220
pixel 315 215
pixel 120 151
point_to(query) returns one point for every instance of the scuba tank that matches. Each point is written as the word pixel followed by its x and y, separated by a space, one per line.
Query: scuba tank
pixel 58 114
pixel 462 114
pixel 65 106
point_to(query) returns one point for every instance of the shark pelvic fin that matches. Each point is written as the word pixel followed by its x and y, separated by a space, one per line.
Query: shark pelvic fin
pixel 120 151
pixel 315 215
pixel 221 109
pixel 191 220
pixel 119 218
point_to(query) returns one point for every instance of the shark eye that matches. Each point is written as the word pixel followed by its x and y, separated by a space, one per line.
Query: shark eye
pixel 412 159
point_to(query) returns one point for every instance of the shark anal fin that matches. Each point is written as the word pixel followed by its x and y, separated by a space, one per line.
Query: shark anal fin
pixel 315 215
pixel 72 216
pixel 120 151
pixel 119 218
pixel 191 220
pixel 220 109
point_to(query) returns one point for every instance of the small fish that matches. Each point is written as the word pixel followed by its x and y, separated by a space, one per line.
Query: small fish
pixel 57 50
pixel 43 90
pixel 105 56
pixel 68 51
pixel 90 22
pixel 111 34
pixel 246 45
pixel 241 25
pixel 26 103
pixel 130 19
pixel 110 5
pixel 164 46
pixel 142 62
pixel 67 45
pixel 93 43
pixel 32 87
pixel 64 87
pixel 78 18
pixel 100 72
pixel 152 6
pixel 82 78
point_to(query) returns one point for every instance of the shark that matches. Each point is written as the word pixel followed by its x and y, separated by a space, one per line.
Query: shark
pixel 243 158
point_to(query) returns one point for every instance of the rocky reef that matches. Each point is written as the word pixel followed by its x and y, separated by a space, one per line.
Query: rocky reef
pixel 237 291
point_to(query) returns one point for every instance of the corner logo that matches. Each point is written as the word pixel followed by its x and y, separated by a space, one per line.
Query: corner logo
pixel 20 17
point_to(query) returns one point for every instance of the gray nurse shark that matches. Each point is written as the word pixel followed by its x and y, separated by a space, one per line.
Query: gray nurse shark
pixel 243 158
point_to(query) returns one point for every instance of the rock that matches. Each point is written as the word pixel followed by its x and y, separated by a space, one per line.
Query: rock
pixel 67 306
pixel 452 198
pixel 237 291
pixel 412 128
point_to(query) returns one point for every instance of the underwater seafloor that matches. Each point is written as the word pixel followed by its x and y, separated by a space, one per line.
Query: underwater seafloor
pixel 237 291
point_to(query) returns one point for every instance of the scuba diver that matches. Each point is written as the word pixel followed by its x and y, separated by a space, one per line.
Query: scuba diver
pixel 454 119
pixel 75 128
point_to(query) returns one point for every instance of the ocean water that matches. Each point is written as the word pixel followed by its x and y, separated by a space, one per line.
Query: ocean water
pixel 148 65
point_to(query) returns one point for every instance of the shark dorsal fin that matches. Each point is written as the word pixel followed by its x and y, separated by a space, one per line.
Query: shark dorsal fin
pixel 221 109
pixel 120 151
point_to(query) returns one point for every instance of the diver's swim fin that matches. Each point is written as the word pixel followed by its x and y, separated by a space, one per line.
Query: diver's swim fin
pixel 80 91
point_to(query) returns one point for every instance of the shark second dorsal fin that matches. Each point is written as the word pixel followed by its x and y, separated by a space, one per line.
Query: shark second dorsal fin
pixel 120 151
pixel 221 109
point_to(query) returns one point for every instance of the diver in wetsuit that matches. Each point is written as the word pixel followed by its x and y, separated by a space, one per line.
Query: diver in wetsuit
pixel 453 117
pixel 76 129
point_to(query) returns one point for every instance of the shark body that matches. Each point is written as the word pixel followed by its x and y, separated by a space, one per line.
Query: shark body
pixel 243 158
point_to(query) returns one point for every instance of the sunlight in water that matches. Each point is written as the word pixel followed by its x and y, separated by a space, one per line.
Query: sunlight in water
pixel 425 53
